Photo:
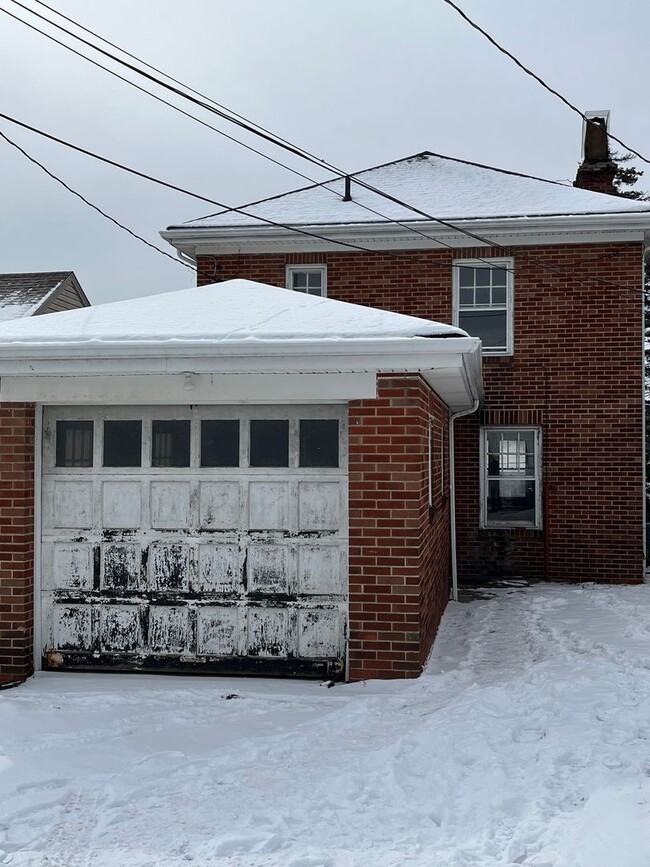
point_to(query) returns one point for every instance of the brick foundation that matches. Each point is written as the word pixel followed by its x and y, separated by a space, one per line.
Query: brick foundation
pixel 399 546
pixel 16 541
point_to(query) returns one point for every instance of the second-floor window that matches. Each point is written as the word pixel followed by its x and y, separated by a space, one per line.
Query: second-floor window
pixel 483 300
pixel 307 278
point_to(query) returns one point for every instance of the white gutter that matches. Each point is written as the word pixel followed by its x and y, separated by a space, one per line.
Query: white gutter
pixel 452 495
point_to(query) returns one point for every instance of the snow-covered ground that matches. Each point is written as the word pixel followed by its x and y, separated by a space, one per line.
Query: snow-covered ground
pixel 526 741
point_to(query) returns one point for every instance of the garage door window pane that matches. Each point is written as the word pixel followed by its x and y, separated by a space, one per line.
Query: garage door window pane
pixel 122 443
pixel 170 444
pixel 220 442
pixel 269 443
pixel 74 444
pixel 319 442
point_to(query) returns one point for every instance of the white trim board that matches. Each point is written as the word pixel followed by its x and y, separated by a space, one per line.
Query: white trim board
pixel 189 388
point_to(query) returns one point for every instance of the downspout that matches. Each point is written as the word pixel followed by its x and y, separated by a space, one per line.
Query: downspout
pixel 452 494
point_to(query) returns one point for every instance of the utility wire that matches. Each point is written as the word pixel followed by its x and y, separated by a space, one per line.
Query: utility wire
pixel 311 157
pixel 295 150
pixel 159 71
pixel 152 95
pixel 324 185
pixel 297 230
pixel 538 79
pixel 178 189
pixel 91 205
pixel 249 124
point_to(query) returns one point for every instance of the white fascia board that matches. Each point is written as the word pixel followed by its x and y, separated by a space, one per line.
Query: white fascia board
pixel 213 389
pixel 590 228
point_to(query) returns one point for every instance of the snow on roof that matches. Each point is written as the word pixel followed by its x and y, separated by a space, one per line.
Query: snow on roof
pixel 234 310
pixel 23 294
pixel 443 187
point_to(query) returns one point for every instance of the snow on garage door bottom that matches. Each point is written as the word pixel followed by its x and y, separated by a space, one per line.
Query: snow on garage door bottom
pixel 194 568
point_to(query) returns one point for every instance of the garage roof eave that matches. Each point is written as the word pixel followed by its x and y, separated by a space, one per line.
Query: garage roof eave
pixel 451 365
pixel 267 355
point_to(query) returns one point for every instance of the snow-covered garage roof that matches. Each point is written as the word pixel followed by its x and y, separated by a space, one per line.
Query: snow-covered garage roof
pixel 239 327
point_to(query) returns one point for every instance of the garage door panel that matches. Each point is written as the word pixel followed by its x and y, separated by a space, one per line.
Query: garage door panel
pixel 219 568
pixel 72 505
pixel 170 505
pixel 319 632
pixel 121 567
pixel 72 627
pixel 122 505
pixel 219 504
pixel 319 570
pixel 169 567
pixel 219 630
pixel 121 628
pixel 319 506
pixel 268 505
pixel 169 629
pixel 270 568
pixel 68 565
pixel 268 632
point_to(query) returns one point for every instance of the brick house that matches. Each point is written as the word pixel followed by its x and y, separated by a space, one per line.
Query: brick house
pixel 308 511
pixel 549 470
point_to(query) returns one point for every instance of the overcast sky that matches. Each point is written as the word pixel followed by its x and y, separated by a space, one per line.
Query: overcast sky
pixel 357 82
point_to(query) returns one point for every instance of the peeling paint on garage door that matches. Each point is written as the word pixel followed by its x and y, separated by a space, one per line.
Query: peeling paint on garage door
pixel 195 539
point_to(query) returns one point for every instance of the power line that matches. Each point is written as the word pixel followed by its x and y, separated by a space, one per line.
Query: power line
pixel 178 189
pixel 292 147
pixel 311 158
pixel 295 150
pixel 314 235
pixel 538 79
pixel 324 185
pixel 148 92
pixel 156 69
pixel 91 205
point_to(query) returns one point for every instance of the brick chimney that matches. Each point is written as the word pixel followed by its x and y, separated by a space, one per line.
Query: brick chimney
pixel 597 170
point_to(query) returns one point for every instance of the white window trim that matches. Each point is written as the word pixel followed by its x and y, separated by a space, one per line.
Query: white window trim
pixel 291 269
pixel 496 525
pixel 510 296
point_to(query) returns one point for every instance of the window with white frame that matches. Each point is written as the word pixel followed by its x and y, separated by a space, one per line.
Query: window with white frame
pixel 510 477
pixel 311 279
pixel 483 298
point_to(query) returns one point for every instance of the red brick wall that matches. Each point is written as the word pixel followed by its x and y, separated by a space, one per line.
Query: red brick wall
pixel 16 541
pixel 576 371
pixel 399 547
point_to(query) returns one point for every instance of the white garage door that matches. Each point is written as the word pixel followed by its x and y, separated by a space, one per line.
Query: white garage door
pixel 195 539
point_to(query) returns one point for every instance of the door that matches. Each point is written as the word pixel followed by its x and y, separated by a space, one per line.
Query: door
pixel 195 539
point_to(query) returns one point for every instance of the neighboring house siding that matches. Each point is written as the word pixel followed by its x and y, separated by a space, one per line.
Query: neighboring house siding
pixel 67 299
pixel 399 564
pixel 16 541
pixel 576 373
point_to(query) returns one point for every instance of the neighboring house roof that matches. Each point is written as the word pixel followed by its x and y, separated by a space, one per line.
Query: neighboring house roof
pixel 240 326
pixel 23 295
pixel 443 187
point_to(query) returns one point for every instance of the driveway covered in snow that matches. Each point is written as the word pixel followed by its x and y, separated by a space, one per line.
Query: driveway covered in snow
pixel 526 741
